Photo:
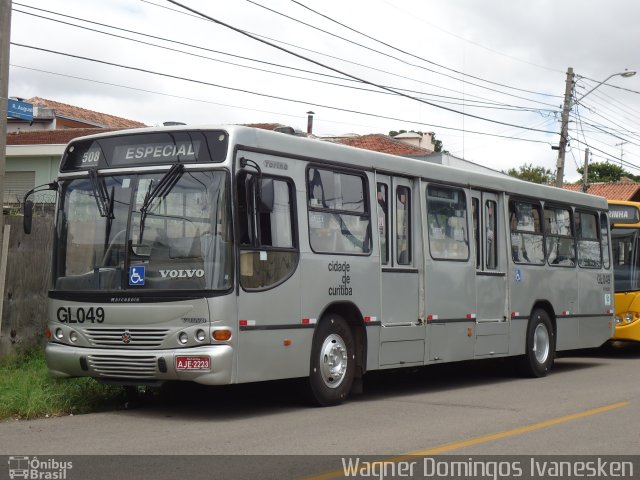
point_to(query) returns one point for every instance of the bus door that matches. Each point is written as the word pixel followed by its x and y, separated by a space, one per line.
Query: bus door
pixel 492 329
pixel 402 334
pixel 268 294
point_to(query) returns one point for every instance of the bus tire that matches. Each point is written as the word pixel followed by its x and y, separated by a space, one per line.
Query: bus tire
pixel 333 362
pixel 540 346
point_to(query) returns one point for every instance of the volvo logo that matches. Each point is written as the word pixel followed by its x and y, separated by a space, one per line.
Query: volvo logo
pixel 126 337
pixel 195 273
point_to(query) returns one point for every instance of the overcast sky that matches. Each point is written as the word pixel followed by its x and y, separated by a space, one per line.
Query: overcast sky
pixel 479 71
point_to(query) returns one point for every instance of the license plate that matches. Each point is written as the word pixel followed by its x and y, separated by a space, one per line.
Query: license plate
pixel 193 363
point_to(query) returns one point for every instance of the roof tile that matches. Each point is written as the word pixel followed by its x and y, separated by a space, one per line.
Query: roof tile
pixel 51 137
pixel 379 142
pixel 78 113
pixel 611 191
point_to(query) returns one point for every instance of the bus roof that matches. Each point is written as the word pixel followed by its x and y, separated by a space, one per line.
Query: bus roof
pixel 267 141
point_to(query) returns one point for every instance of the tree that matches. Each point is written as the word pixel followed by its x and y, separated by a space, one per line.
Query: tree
pixel 532 174
pixel 437 144
pixel 605 172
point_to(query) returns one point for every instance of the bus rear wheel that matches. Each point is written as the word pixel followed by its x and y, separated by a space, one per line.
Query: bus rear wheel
pixel 540 347
pixel 332 362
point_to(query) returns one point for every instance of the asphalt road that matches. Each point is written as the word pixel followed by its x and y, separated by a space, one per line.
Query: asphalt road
pixel 589 405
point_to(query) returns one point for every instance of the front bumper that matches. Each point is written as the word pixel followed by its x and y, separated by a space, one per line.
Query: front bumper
pixel 138 366
pixel 629 331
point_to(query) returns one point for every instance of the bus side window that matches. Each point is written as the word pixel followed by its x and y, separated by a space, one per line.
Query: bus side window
pixel 268 253
pixel 559 234
pixel 604 234
pixel 527 239
pixel 383 221
pixel 403 225
pixel 491 226
pixel 589 248
pixel 475 206
pixel 447 219
pixel 339 215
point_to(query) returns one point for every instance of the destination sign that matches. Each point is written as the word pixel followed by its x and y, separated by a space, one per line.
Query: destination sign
pixel 146 149
pixel 624 214
pixel 184 151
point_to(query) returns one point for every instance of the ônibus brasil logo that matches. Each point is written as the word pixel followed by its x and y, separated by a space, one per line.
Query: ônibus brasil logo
pixel 38 469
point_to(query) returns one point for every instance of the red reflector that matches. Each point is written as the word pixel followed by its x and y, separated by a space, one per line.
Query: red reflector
pixel 243 323
pixel 305 321
pixel 367 319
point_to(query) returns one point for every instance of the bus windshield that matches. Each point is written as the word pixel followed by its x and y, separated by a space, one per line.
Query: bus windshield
pixel 625 259
pixel 144 231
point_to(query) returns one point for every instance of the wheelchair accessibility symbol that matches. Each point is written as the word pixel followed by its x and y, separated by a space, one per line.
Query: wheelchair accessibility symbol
pixel 518 275
pixel 136 275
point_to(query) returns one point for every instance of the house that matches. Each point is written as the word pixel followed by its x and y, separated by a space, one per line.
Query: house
pixel 424 140
pixel 406 145
pixel 379 142
pixel 52 115
pixel 34 147
pixel 622 190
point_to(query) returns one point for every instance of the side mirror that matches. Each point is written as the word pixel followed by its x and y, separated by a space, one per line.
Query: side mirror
pixel 28 216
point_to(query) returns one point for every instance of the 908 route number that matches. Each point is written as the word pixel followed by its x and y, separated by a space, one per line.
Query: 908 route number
pixel 80 315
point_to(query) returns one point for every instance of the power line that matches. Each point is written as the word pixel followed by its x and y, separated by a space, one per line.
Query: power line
pixel 350 62
pixel 201 82
pixel 591 147
pixel 459 37
pixel 498 104
pixel 403 51
pixel 219 22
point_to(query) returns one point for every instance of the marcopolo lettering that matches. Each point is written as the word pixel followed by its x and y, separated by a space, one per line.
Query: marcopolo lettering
pixel 195 273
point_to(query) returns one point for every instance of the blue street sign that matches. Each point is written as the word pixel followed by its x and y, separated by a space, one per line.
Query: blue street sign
pixel 22 110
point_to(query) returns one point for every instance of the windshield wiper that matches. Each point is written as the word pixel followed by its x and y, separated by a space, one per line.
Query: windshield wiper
pixel 101 194
pixel 161 189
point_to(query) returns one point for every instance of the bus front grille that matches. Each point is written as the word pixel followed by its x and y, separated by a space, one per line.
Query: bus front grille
pixel 123 366
pixel 126 337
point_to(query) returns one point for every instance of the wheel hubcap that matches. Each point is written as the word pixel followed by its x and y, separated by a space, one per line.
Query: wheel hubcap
pixel 541 343
pixel 333 361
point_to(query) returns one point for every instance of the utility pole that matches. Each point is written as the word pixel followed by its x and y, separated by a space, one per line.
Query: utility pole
pixel 5 45
pixel 564 130
pixel 585 176
pixel 621 145
pixel 5 39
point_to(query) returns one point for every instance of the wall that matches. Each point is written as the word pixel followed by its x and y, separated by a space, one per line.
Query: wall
pixel 27 282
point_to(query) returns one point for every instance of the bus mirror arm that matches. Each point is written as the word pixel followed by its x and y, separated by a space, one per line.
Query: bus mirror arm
pixel 28 204
pixel 264 198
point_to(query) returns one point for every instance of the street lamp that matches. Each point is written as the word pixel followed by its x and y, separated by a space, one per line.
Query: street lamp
pixel 566 108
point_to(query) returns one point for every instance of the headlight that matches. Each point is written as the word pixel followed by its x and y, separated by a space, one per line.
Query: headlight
pixel 200 335
pixel 59 334
pixel 618 319
pixel 628 317
pixel 183 338
pixel 73 336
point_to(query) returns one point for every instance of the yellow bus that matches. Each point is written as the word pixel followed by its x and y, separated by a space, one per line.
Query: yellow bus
pixel 625 238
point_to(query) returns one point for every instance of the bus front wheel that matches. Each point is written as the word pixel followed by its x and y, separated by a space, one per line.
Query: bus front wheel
pixel 540 347
pixel 332 362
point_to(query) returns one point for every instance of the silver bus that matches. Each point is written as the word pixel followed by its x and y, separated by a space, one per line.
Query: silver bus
pixel 225 255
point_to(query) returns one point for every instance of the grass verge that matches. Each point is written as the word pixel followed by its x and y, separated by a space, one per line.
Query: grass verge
pixel 27 391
